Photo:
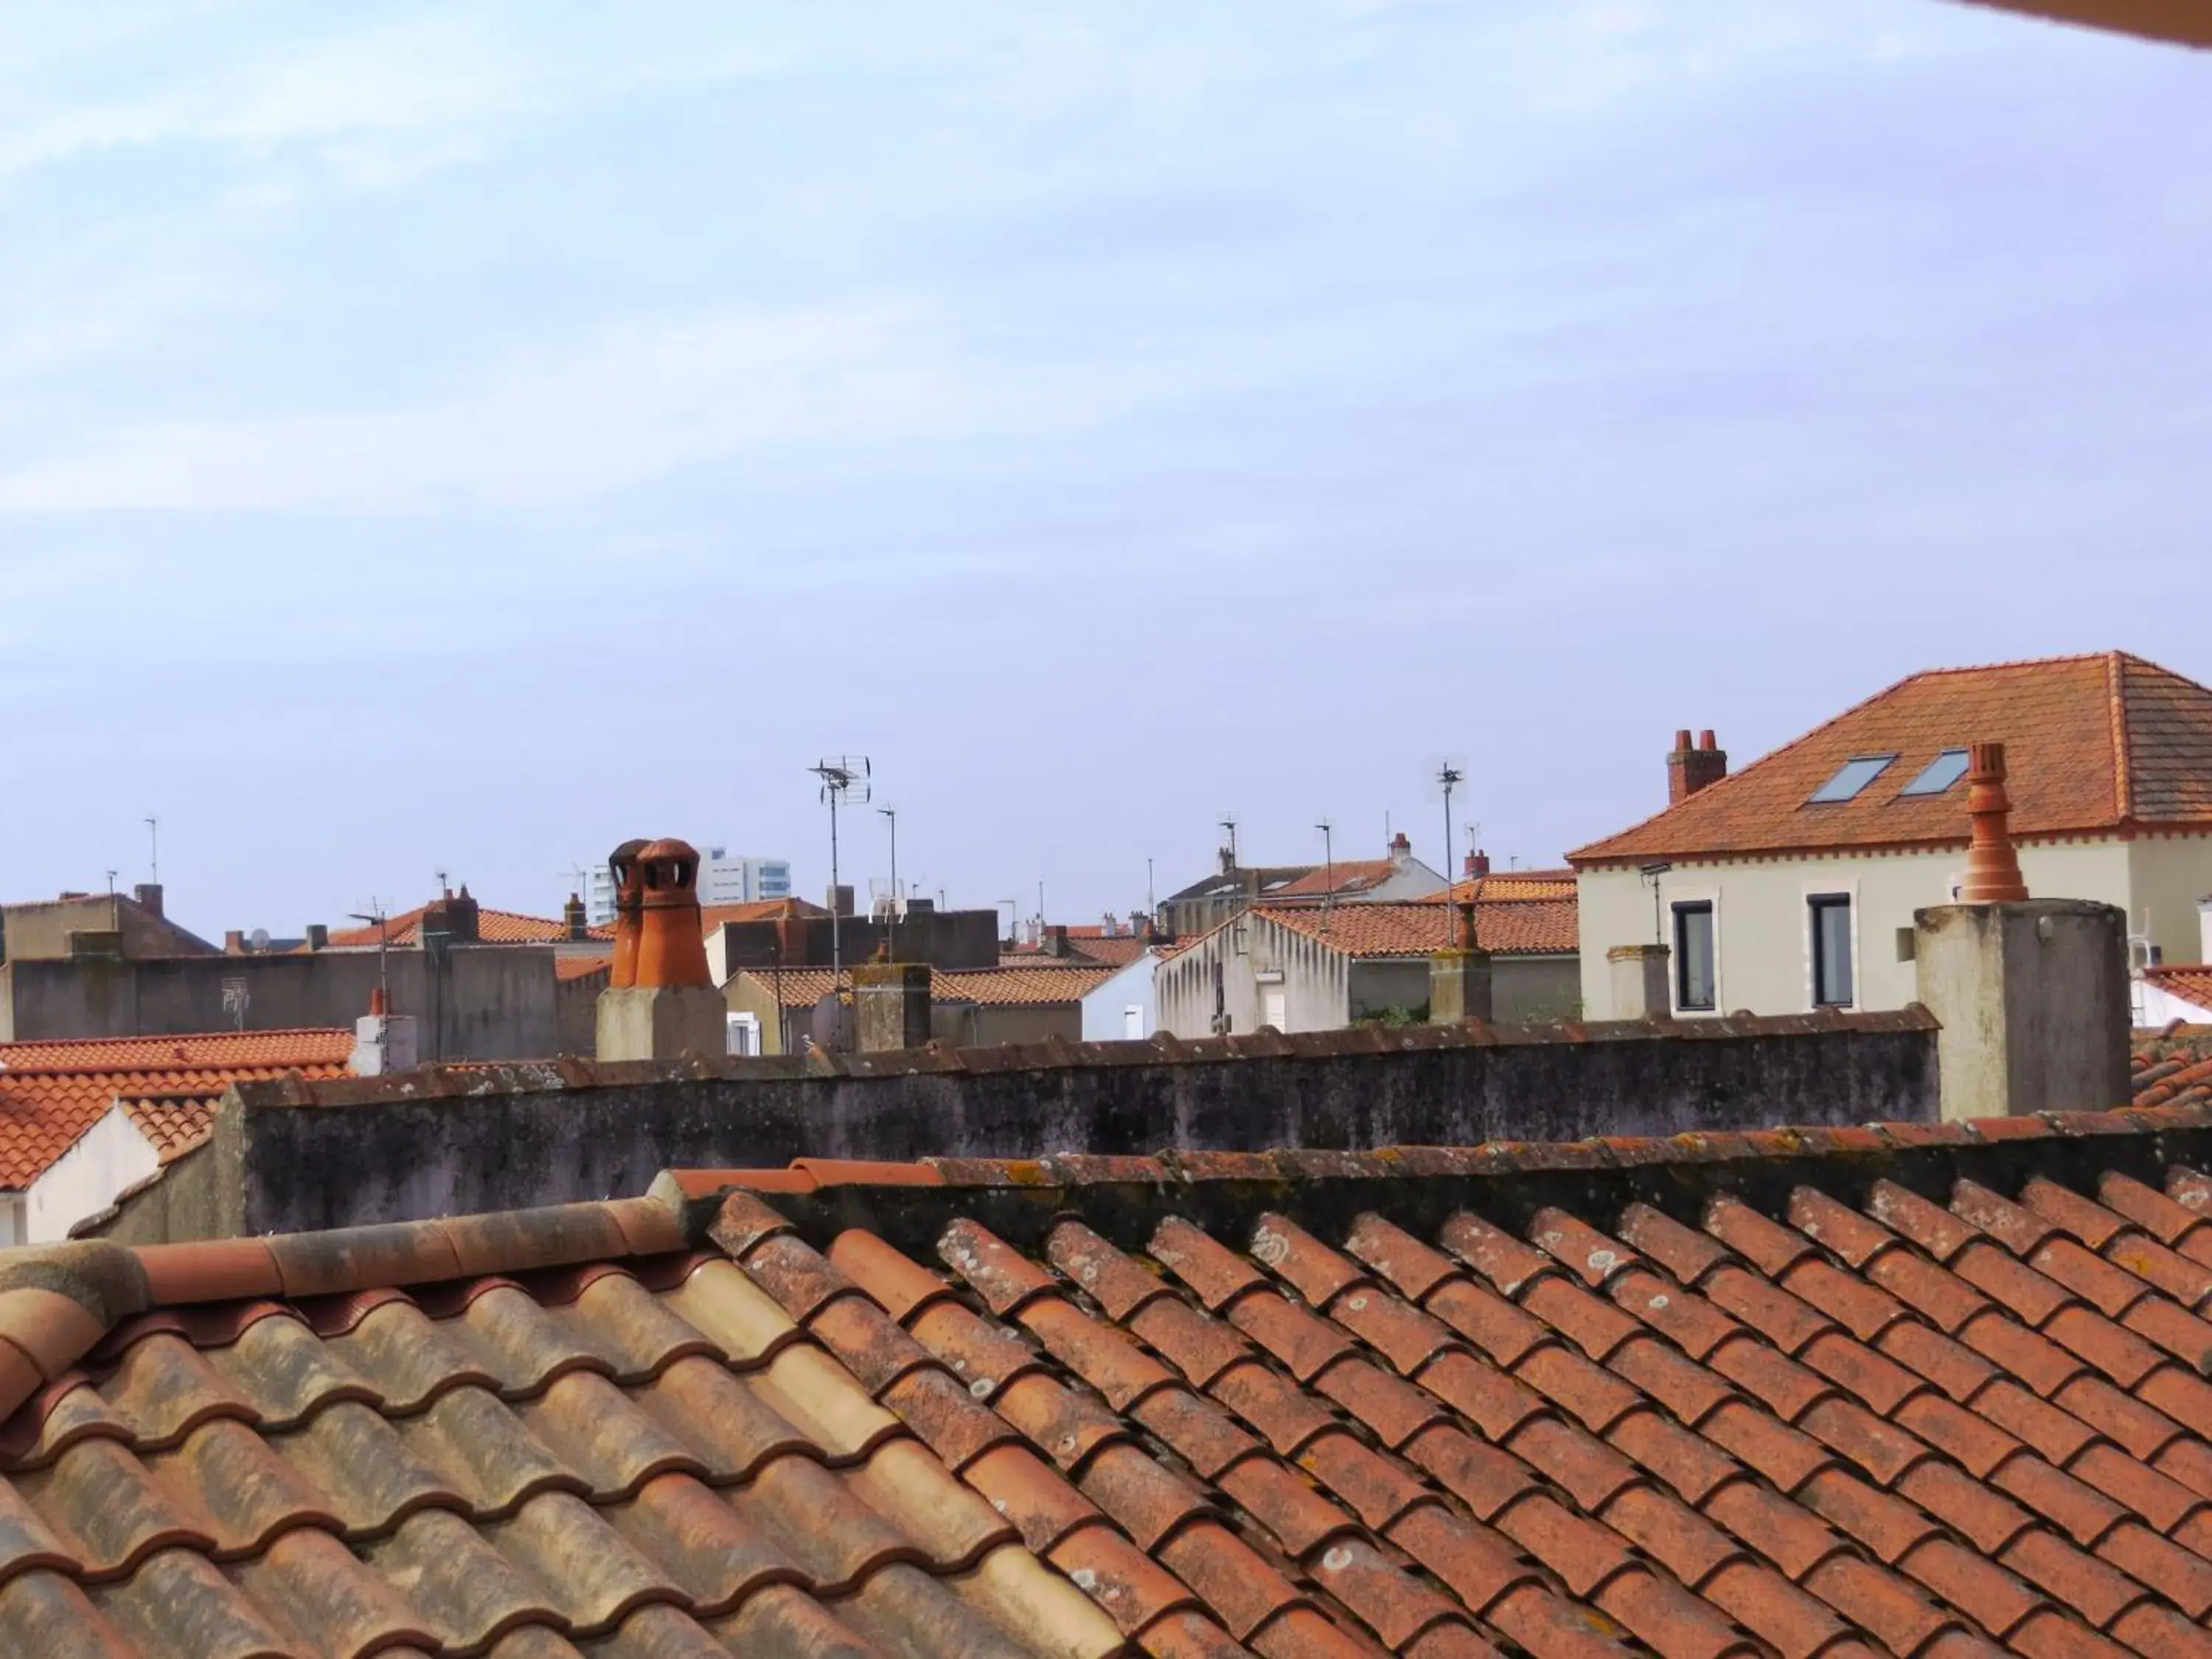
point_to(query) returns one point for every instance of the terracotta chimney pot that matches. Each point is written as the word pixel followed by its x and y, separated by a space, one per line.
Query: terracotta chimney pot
pixel 672 941
pixel 1992 865
pixel 629 900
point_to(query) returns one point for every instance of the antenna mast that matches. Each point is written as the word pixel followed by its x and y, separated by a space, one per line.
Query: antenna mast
pixel 843 776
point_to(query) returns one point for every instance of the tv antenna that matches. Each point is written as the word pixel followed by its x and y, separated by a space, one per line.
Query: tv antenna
pixel 1329 868
pixel 153 850
pixel 374 917
pixel 1450 772
pixel 845 779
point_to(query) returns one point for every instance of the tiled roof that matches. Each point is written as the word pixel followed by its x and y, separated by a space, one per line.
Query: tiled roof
pixel 1515 884
pixel 493 927
pixel 2093 743
pixel 2173 1067
pixel 51 1092
pixel 1421 927
pixel 1346 876
pixel 1118 949
pixel 581 967
pixel 1919 1390
pixel 551 1433
pixel 1027 984
pixel 2191 984
pixel 714 915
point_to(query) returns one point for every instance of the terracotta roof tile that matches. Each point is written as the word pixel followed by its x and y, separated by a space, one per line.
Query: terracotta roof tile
pixel 574 1446
pixel 2192 983
pixel 1962 1415
pixel 51 1092
pixel 1514 926
pixel 493 927
pixel 2093 743
pixel 1031 983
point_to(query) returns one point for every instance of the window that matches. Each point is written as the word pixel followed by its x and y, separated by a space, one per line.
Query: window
pixel 1693 955
pixel 1853 775
pixel 1832 949
pixel 1939 774
pixel 1270 1012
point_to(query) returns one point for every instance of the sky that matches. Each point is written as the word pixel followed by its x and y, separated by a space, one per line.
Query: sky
pixel 457 438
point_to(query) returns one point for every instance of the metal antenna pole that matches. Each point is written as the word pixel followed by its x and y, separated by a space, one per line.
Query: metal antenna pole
pixel 836 943
pixel 1450 777
pixel 1329 867
pixel 154 836
pixel 892 920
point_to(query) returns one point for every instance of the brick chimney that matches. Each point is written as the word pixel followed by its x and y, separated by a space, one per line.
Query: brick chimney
pixel 148 895
pixel 454 915
pixel 1476 864
pixel 1402 850
pixel 1992 866
pixel 1689 770
pixel 575 919
pixel 1054 942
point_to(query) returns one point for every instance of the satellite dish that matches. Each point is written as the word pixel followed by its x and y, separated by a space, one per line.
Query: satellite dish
pixel 258 938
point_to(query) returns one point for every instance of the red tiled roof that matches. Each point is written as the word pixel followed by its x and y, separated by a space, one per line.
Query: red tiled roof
pixel 2092 744
pixel 1533 927
pixel 2189 983
pixel 493 927
pixel 2173 1067
pixel 1000 987
pixel 1926 1391
pixel 1939 1390
pixel 1346 876
pixel 581 967
pixel 554 1433
pixel 51 1092
pixel 1118 950
pixel 1515 884
pixel 714 915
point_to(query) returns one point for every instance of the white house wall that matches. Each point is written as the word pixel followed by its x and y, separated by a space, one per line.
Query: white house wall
pixel 1106 1010
pixel 1762 936
pixel 108 1157
pixel 1313 983
pixel 2168 874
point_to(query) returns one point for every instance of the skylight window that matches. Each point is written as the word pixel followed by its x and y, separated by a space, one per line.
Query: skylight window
pixel 1853 775
pixel 1939 774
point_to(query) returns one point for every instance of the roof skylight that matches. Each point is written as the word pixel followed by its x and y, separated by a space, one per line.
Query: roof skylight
pixel 1939 774
pixel 1853 775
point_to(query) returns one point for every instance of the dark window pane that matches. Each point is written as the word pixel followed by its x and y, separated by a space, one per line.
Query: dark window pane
pixel 1853 775
pixel 1693 955
pixel 1939 774
pixel 1832 951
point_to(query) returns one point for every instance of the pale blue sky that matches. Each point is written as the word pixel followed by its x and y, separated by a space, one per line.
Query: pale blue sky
pixel 463 436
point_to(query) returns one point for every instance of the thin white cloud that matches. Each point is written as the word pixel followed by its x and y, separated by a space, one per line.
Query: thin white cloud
pixel 377 106
pixel 638 404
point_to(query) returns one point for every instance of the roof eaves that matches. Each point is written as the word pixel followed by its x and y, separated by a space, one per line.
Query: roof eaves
pixel 58 1301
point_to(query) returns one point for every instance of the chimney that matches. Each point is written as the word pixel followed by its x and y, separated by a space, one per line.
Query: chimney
pixel 671 1006
pixel 840 899
pixel 621 869
pixel 1689 770
pixel 1054 942
pixel 890 1006
pixel 318 936
pixel 575 919
pixel 2030 996
pixel 1228 860
pixel 2204 928
pixel 1992 866
pixel 1402 850
pixel 382 1042
pixel 233 942
pixel 452 916
pixel 148 895
pixel 1478 864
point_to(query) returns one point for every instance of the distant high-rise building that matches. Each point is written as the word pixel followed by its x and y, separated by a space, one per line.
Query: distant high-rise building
pixel 724 878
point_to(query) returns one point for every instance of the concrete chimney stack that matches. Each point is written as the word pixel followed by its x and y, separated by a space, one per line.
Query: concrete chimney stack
pixel 1691 768
pixel 148 894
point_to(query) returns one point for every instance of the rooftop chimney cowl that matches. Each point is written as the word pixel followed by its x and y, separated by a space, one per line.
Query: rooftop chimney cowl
pixel 1992 865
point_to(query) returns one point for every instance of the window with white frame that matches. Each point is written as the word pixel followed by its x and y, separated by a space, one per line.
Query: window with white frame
pixel 1696 987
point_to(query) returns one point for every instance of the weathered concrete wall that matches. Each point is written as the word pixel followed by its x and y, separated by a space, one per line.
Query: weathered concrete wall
pixel 2033 1000
pixel 1524 990
pixel 944 938
pixel 482 1002
pixel 576 1014
pixel 299 1156
pixel 39 931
